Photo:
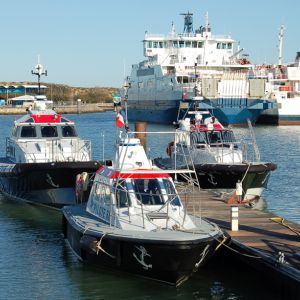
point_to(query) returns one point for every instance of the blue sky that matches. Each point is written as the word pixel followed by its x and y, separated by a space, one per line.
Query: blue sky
pixel 90 43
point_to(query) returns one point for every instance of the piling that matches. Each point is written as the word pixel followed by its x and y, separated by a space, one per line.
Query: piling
pixel 140 129
pixel 78 106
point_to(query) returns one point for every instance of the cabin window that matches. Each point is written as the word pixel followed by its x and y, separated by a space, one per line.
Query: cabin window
pixel 199 138
pixel 28 131
pixel 49 131
pixel 68 131
pixel 181 44
pixel 123 199
pixel 160 44
pixel 148 191
pixel 194 44
pixel 224 45
pixel 188 44
pixel 214 137
pixel 14 131
pixel 171 192
pixel 175 44
pixel 155 44
pixel 200 44
pixel 185 79
pixel 149 44
pixel 218 45
pixel 228 137
pixel 229 45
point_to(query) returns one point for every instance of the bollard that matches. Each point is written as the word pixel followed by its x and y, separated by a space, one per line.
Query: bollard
pixel 78 106
pixel 234 218
pixel 140 129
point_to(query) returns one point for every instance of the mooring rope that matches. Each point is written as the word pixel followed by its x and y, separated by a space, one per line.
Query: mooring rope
pixel 280 220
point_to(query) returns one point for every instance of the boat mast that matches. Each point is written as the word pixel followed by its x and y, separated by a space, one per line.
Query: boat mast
pixel 39 71
pixel 280 39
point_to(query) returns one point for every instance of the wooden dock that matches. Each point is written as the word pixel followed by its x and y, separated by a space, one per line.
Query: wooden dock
pixel 264 241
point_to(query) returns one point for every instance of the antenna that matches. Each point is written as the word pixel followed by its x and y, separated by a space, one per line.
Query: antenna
pixel 206 22
pixel 280 39
pixel 188 22
pixel 39 71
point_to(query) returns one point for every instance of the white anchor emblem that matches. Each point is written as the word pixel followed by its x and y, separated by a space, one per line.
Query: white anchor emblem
pixel 142 255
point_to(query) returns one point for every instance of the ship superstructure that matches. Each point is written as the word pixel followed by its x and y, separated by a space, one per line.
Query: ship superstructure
pixel 195 62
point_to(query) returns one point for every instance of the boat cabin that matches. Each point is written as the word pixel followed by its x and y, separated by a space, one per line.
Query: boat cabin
pixel 37 126
pixel 131 193
pixel 45 136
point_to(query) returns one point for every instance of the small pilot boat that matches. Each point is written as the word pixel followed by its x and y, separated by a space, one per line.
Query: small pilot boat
pixel 44 154
pixel 135 220
pixel 221 161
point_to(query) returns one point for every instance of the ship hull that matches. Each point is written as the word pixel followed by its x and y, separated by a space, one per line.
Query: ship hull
pixel 166 111
pixel 287 113
pixel 51 184
pixel 171 261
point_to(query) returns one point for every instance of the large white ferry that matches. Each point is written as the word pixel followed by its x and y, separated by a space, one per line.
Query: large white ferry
pixel 284 87
pixel 195 62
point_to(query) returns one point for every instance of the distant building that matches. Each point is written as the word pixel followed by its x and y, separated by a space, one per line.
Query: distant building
pixel 21 89
pixel 21 101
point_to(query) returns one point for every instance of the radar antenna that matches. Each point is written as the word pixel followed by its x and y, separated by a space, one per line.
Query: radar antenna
pixel 188 22
pixel 39 71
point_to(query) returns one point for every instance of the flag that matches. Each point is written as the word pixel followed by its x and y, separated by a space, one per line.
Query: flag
pixel 120 120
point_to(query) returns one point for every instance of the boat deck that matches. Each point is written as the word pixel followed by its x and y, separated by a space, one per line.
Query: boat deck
pixel 265 241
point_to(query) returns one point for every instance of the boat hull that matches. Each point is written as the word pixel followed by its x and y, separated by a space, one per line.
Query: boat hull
pixel 166 111
pixel 172 262
pixel 51 184
pixel 254 177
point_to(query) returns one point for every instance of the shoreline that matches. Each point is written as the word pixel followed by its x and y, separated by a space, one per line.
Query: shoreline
pixel 63 109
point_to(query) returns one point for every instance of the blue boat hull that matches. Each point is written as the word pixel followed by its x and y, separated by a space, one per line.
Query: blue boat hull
pixel 236 111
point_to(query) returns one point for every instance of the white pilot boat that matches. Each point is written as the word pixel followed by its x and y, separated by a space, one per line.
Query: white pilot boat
pixel 43 156
pixel 135 221
pixel 220 160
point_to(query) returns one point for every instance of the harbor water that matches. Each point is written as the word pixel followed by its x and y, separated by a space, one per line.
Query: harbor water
pixel 36 263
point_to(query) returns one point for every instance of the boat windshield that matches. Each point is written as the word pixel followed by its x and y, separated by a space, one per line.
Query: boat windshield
pixel 49 131
pixel 28 131
pixel 68 131
pixel 228 137
pixel 214 137
pixel 155 191
pixel 199 138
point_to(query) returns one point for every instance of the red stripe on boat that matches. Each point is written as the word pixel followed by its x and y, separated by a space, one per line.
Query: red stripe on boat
pixel 46 118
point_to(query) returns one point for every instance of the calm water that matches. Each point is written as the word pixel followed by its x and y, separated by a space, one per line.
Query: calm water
pixel 35 262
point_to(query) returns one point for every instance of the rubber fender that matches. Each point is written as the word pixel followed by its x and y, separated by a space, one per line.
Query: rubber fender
pixel 85 181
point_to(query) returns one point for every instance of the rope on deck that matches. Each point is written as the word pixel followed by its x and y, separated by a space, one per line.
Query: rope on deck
pixel 280 220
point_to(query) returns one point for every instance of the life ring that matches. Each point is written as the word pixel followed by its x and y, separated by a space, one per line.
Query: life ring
pixel 169 148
